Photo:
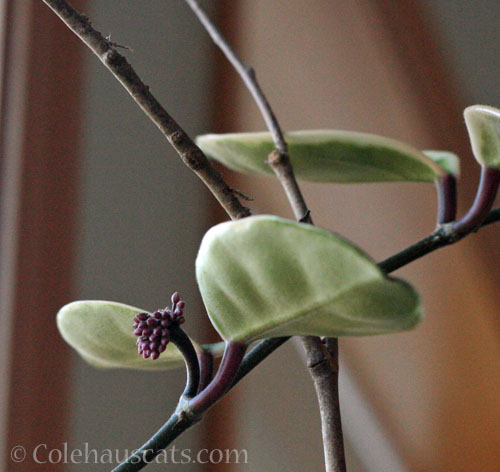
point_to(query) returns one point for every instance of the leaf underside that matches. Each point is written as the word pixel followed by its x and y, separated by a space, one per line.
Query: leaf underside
pixel 101 332
pixel 483 124
pixel 266 276
pixel 326 156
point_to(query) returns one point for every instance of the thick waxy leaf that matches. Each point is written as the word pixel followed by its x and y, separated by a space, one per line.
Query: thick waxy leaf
pixel 325 156
pixel 266 276
pixel 483 124
pixel 449 161
pixel 102 333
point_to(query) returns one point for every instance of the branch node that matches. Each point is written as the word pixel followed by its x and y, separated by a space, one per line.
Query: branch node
pixel 278 159
pixel 306 218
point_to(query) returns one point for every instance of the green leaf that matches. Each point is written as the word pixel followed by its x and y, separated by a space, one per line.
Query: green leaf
pixel 483 124
pixel 325 156
pixel 449 161
pixel 265 276
pixel 101 332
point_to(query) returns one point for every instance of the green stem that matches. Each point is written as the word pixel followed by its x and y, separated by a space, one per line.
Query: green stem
pixel 174 427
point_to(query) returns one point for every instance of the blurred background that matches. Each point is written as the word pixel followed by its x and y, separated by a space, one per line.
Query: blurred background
pixel 95 205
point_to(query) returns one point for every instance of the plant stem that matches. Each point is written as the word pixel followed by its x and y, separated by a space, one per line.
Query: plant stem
pixel 190 154
pixel 485 198
pixel 282 168
pixel 246 73
pixel 206 361
pixel 233 356
pixel 446 187
pixel 257 354
pixel 479 215
pixel 184 344
pixel 189 410
pixel 443 236
pixel 174 427
pixel 324 366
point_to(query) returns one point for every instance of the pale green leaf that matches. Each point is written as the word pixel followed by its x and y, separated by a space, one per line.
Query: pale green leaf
pixel 266 276
pixel 101 332
pixel 325 156
pixel 483 124
pixel 449 161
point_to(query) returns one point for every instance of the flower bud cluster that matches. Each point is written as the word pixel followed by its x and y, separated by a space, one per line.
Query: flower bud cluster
pixel 153 330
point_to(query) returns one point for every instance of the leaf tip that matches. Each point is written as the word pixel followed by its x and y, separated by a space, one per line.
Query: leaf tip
pixel 483 126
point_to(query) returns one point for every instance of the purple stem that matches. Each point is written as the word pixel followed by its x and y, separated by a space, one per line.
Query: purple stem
pixel 184 344
pixel 233 355
pixel 446 187
pixel 485 198
pixel 206 361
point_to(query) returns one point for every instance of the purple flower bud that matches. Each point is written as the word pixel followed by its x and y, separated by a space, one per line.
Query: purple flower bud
pixel 153 331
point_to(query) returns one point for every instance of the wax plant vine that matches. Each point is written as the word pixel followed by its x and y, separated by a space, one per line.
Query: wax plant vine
pixel 265 278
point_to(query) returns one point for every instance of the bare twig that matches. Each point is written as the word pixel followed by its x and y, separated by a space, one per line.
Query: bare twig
pixel 192 156
pixel 246 73
pixel 323 364
pixel 325 376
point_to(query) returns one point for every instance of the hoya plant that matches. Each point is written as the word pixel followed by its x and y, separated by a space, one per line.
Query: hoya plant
pixel 264 278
